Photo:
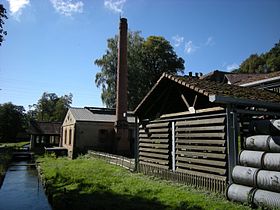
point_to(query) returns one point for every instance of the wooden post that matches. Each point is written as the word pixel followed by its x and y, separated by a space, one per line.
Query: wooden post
pixel 136 144
pixel 173 147
pixel 232 138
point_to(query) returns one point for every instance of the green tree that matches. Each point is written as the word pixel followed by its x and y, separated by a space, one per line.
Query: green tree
pixel 50 107
pixel 2 17
pixel 254 64
pixel 264 63
pixel 147 60
pixel 273 58
pixel 12 121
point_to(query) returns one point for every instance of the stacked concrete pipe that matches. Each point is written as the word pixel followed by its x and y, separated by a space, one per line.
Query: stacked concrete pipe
pixel 256 180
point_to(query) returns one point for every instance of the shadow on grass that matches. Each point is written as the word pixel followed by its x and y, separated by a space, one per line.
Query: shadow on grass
pixel 105 200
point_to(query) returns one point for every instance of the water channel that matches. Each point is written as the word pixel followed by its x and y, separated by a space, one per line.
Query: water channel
pixel 22 189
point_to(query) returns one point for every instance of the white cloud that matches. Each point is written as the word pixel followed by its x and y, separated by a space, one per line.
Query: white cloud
pixel 115 5
pixel 210 41
pixel 190 47
pixel 16 7
pixel 231 67
pixel 67 7
pixel 178 40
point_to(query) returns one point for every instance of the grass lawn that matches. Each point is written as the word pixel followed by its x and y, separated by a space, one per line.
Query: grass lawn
pixel 88 183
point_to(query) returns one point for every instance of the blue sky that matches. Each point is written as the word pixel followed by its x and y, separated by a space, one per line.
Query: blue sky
pixel 52 44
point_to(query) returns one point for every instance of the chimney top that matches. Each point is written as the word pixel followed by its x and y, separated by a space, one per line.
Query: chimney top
pixel 123 19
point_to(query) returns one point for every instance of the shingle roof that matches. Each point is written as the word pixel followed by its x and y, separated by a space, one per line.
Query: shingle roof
pixel 82 114
pixel 215 91
pixel 48 128
pixel 207 88
pixel 239 79
pixel 96 115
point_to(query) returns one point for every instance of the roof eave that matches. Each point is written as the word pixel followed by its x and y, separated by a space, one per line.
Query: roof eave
pixel 240 101
pixel 148 94
pixel 260 82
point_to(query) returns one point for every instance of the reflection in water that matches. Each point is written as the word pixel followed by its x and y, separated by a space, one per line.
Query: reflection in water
pixel 22 189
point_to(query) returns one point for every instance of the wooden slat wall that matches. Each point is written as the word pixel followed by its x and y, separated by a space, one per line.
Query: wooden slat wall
pixel 154 144
pixel 201 145
pixel 200 149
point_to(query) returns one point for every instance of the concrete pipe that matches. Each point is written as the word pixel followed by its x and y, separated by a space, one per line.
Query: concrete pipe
pixel 245 175
pixel 268 180
pixel 239 193
pixel 259 142
pixel 251 158
pixel 271 161
pixel 265 198
pixel 263 143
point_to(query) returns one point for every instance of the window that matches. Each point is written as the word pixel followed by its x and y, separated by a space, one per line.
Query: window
pixel 70 136
pixel 65 136
pixel 51 139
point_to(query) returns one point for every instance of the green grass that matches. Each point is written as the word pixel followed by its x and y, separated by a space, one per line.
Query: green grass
pixel 88 183
pixel 16 145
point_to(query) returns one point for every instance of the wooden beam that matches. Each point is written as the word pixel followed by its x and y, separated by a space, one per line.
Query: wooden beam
pixel 201 154
pixel 153 160
pixel 201 121
pixel 163 156
pixel 153 145
pixel 201 128
pixel 194 102
pixel 202 148
pixel 154 165
pixel 232 144
pixel 201 135
pixel 201 141
pixel 202 174
pixel 185 101
pixel 153 150
pixel 203 161
pixel 199 111
pixel 202 168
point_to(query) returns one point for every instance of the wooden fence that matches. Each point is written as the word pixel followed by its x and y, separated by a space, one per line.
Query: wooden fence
pixel 189 149
pixel 122 161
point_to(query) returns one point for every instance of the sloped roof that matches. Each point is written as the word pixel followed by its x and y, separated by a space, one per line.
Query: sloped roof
pixel 240 79
pixel 225 92
pixel 94 114
pixel 216 75
pixel 44 128
pixel 82 114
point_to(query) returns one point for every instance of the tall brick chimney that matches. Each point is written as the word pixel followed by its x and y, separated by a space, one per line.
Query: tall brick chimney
pixel 121 125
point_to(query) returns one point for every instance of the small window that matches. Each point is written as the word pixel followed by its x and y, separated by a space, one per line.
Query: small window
pixel 56 140
pixel 65 136
pixel 70 136
pixel 37 139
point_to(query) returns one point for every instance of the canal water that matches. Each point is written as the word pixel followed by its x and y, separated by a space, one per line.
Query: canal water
pixel 22 189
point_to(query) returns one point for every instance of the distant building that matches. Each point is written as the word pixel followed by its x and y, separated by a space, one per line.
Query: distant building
pixel 93 128
pixel 268 81
pixel 44 134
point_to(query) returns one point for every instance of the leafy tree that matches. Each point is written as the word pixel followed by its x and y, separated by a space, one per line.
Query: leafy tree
pixel 264 63
pixel 12 121
pixel 50 107
pixel 147 60
pixel 2 17
pixel 254 64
